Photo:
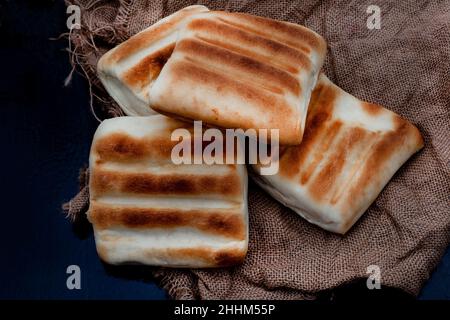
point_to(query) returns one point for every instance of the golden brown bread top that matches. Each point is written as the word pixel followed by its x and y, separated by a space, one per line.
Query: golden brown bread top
pixel 144 208
pixel 223 221
pixel 333 150
pixel 171 184
pixel 128 70
pixel 208 257
pixel 274 79
pixel 235 70
pixel 151 35
pixel 292 34
pixel 147 70
pixel 121 164
pixel 350 150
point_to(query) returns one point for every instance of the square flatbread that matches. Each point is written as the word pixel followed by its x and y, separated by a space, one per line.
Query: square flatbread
pixel 129 70
pixel 145 209
pixel 235 70
pixel 350 151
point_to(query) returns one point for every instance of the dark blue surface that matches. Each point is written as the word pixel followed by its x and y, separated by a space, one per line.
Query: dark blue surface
pixel 45 134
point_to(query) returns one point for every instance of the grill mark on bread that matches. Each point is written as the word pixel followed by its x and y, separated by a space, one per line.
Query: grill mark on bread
pixel 187 71
pixel 217 258
pixel 324 181
pixel 223 257
pixel 323 145
pixel 226 61
pixel 239 79
pixel 372 109
pixel 139 42
pixel 105 181
pixel 293 35
pixel 283 65
pixel 273 51
pixel 404 133
pixel 145 38
pixel 326 185
pixel 317 126
pixel 148 69
pixel 228 223
pixel 306 50
pixel 121 147
pixel 361 147
pixel 124 147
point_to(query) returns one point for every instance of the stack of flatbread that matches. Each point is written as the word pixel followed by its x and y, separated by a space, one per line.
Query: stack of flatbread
pixel 237 71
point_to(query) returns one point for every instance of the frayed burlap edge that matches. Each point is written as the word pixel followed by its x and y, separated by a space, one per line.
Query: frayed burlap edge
pixel 174 289
pixel 81 47
pixel 78 205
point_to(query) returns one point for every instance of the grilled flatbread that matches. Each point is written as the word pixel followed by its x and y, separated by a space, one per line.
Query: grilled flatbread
pixel 146 209
pixel 235 70
pixel 129 70
pixel 350 151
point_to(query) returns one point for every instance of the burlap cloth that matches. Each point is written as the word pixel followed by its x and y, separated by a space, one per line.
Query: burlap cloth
pixel 404 66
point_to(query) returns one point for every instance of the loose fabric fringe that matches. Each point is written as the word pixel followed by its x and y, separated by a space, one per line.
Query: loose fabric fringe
pixel 77 206
pixel 84 55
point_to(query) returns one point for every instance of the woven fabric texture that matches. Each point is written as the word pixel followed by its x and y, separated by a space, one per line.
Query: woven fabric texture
pixel 404 66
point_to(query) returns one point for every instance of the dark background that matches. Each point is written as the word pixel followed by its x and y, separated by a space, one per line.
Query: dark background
pixel 45 132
